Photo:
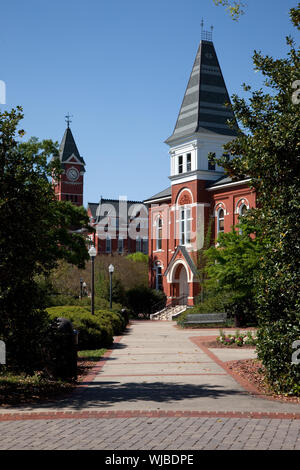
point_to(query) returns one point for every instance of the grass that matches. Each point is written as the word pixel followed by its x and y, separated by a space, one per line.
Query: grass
pixel 91 355
pixel 20 388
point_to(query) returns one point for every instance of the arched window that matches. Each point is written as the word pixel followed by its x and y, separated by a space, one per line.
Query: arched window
pixel 220 220
pixel 159 233
pixel 242 210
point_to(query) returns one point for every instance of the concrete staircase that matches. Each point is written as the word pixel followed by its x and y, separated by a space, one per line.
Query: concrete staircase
pixel 168 313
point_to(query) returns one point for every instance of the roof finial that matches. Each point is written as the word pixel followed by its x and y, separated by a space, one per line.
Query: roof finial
pixel 68 119
pixel 206 35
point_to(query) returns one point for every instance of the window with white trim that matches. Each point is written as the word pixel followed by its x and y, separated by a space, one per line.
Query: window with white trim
pixel 242 210
pixel 188 162
pixel 158 278
pixel 180 164
pixel 220 220
pixel 185 221
pixel 159 233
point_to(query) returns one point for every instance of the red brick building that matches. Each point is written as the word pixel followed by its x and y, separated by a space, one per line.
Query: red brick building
pixel 121 226
pixel 69 187
pixel 199 191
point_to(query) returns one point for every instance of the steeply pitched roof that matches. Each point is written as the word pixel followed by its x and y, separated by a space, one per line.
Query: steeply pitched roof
pixel 183 250
pixel 68 147
pixel 93 208
pixel 112 207
pixel 166 193
pixel 203 107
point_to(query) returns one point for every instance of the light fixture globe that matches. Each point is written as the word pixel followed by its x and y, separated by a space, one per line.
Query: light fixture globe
pixel 111 268
pixel 92 252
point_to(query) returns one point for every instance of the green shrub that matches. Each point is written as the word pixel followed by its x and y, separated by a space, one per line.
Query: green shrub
pixel 94 332
pixel 115 319
pixel 142 299
pixel 274 348
pixel 138 257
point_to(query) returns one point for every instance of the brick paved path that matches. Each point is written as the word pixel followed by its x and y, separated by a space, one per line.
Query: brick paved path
pixel 157 389
pixel 151 433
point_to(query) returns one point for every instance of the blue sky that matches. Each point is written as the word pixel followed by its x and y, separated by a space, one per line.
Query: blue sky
pixel 121 68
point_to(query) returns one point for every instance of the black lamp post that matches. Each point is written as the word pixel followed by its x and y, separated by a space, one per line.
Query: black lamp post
pixel 92 253
pixel 110 270
pixel 81 288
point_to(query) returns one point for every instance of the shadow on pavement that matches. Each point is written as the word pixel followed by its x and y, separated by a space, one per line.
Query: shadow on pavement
pixel 106 394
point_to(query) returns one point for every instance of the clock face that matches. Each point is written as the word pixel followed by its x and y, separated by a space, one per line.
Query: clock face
pixel 72 174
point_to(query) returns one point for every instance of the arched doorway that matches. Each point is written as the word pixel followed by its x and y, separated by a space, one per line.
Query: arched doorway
pixel 180 284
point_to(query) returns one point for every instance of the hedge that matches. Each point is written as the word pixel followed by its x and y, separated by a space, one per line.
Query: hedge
pixel 95 331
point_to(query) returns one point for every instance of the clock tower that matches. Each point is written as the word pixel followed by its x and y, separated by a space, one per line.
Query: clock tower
pixel 70 185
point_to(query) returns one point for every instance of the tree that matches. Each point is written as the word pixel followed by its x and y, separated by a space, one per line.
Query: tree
pixel 269 150
pixel 232 267
pixel 235 7
pixel 36 232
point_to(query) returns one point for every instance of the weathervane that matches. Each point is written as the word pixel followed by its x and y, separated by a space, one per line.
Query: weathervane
pixel 68 119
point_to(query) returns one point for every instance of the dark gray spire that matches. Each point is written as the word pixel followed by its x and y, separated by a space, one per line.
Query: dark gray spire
pixel 68 147
pixel 203 107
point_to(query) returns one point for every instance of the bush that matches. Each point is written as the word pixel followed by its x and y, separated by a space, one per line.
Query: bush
pixel 115 319
pixel 144 300
pixel 274 348
pixel 94 332
pixel 138 257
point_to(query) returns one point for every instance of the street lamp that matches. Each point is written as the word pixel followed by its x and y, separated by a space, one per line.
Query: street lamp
pixel 92 253
pixel 81 289
pixel 110 270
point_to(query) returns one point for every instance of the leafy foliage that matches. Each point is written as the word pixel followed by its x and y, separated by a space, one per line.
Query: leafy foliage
pixel 142 299
pixel 270 158
pixel 235 7
pixel 36 232
pixel 232 268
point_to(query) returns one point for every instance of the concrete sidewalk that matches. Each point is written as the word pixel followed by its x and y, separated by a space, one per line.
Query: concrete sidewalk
pixel 157 389
pixel 156 367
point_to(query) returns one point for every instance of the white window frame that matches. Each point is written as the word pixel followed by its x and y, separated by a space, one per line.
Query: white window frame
pixel 180 164
pixel 219 219
pixel 159 232
pixel 185 222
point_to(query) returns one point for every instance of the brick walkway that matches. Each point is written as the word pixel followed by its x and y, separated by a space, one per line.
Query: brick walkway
pixel 159 388
pixel 150 433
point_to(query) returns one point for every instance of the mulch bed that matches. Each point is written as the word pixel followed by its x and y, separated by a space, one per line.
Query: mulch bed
pixel 216 344
pixel 25 393
pixel 252 371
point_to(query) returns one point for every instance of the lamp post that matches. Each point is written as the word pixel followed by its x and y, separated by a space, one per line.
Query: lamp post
pixel 81 290
pixel 92 253
pixel 110 270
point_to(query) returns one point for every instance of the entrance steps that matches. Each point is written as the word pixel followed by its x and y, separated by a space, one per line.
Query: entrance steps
pixel 168 313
